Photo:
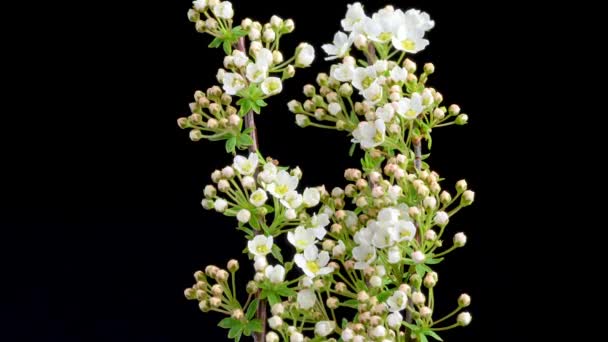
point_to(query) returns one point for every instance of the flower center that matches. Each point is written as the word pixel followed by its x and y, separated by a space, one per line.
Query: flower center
pixel 408 44
pixel 367 81
pixel 282 189
pixel 262 249
pixel 313 266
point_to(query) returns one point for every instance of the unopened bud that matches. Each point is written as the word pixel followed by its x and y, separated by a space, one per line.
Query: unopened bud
pixel 460 239
pixel 467 197
pixel 233 265
pixel 462 119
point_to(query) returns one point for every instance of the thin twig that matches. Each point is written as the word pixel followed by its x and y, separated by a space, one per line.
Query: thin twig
pixel 250 123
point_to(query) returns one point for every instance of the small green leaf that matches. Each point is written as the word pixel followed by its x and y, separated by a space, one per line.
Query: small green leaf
pixel 344 323
pixel 229 322
pixel 227 46
pixel 216 42
pixel 433 335
pixel 362 62
pixel 288 266
pixel 245 140
pixel 255 325
pixel 252 308
pixel 235 330
pixel 261 103
pixel 384 295
pixel 286 292
pixel 273 298
pixel 422 338
pixel 276 253
pixel 432 261
pixel 353 303
pixel 230 144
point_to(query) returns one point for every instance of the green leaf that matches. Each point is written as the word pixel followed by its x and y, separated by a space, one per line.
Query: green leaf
pixel 362 62
pixel 353 303
pixel 288 266
pixel 285 291
pixel 234 331
pixel 255 325
pixel 276 253
pixel 229 322
pixel 253 221
pixel 252 308
pixel 422 338
pixel 273 298
pixel 433 335
pixel 245 140
pixel 231 144
pixel 227 46
pixel 217 41
pixel 261 103
pixel 384 295
pixel 432 261
pixel 420 270
pixel 344 323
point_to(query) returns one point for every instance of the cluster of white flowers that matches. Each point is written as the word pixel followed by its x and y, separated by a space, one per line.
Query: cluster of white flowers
pixel 369 246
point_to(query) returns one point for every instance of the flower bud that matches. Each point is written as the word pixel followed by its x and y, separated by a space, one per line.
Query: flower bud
pixel 430 235
pixel 269 35
pixel 302 120
pixel 193 15
pixel 276 22
pixel 322 79
pixel 340 287
pixel 254 34
pixel 464 300
pixel 200 26
pixel 190 294
pixel 243 215
pixel 220 205
pixel 454 109
pixel 246 23
pixel 289 25
pixel 467 197
pixel 277 309
pixel 212 123
pixel 211 24
pixel 464 318
pixel 275 322
pixel 409 65
pixel 362 296
pixel 438 114
pixel 430 202
pixel 332 302
pixel 429 68
pixel 418 257
pixel 360 42
pixel 375 281
pixel 430 280
pixel 441 218
pixel 204 306
pixel 272 337
pixel 223 185
pixel 222 275
pixel 294 106
pixel 252 287
pixel 460 239
pixel 425 312
pixel 418 298
pixel 215 302
pixel 445 197
pixel 462 119
pixel 346 90
pixel 195 135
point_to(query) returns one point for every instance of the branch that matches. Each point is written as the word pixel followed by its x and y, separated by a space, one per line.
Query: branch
pixel 250 122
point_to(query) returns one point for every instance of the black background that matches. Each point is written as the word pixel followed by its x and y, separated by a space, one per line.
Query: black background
pixel 101 220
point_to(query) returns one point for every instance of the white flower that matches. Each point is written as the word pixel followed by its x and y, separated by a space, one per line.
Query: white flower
pixel 269 174
pixel 397 301
pixel 394 255
pixel 369 134
pixel 418 257
pixel 243 215
pixel 256 72
pixel 334 108
pixel 464 318
pixel 339 249
pixel 275 321
pixel 339 48
pixel 301 238
pixel 354 15
pixel 312 262
pixel 246 167
pixel 409 40
pixel 264 57
pixel 441 218
pixel 305 55
pixel 373 93
pixel 306 299
pixel 260 245
pixel 276 274
pixel 364 254
pixel 386 112
pixel 283 183
pixel 348 334
pixel 312 196
pixel 272 86
pixel 406 230
pixel 399 74
pixel 240 58
pixel 292 199
pixel 220 205
pixel 364 77
pixel 258 197
pixel 223 10
pixel 394 320
pixel 318 223
pixel 200 5
pixel 381 66
pixel 232 83
pixel 384 237
pixel 342 72
pixel 371 28
pixel 389 21
pixel 324 328
pixel 419 20
pixel 410 108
